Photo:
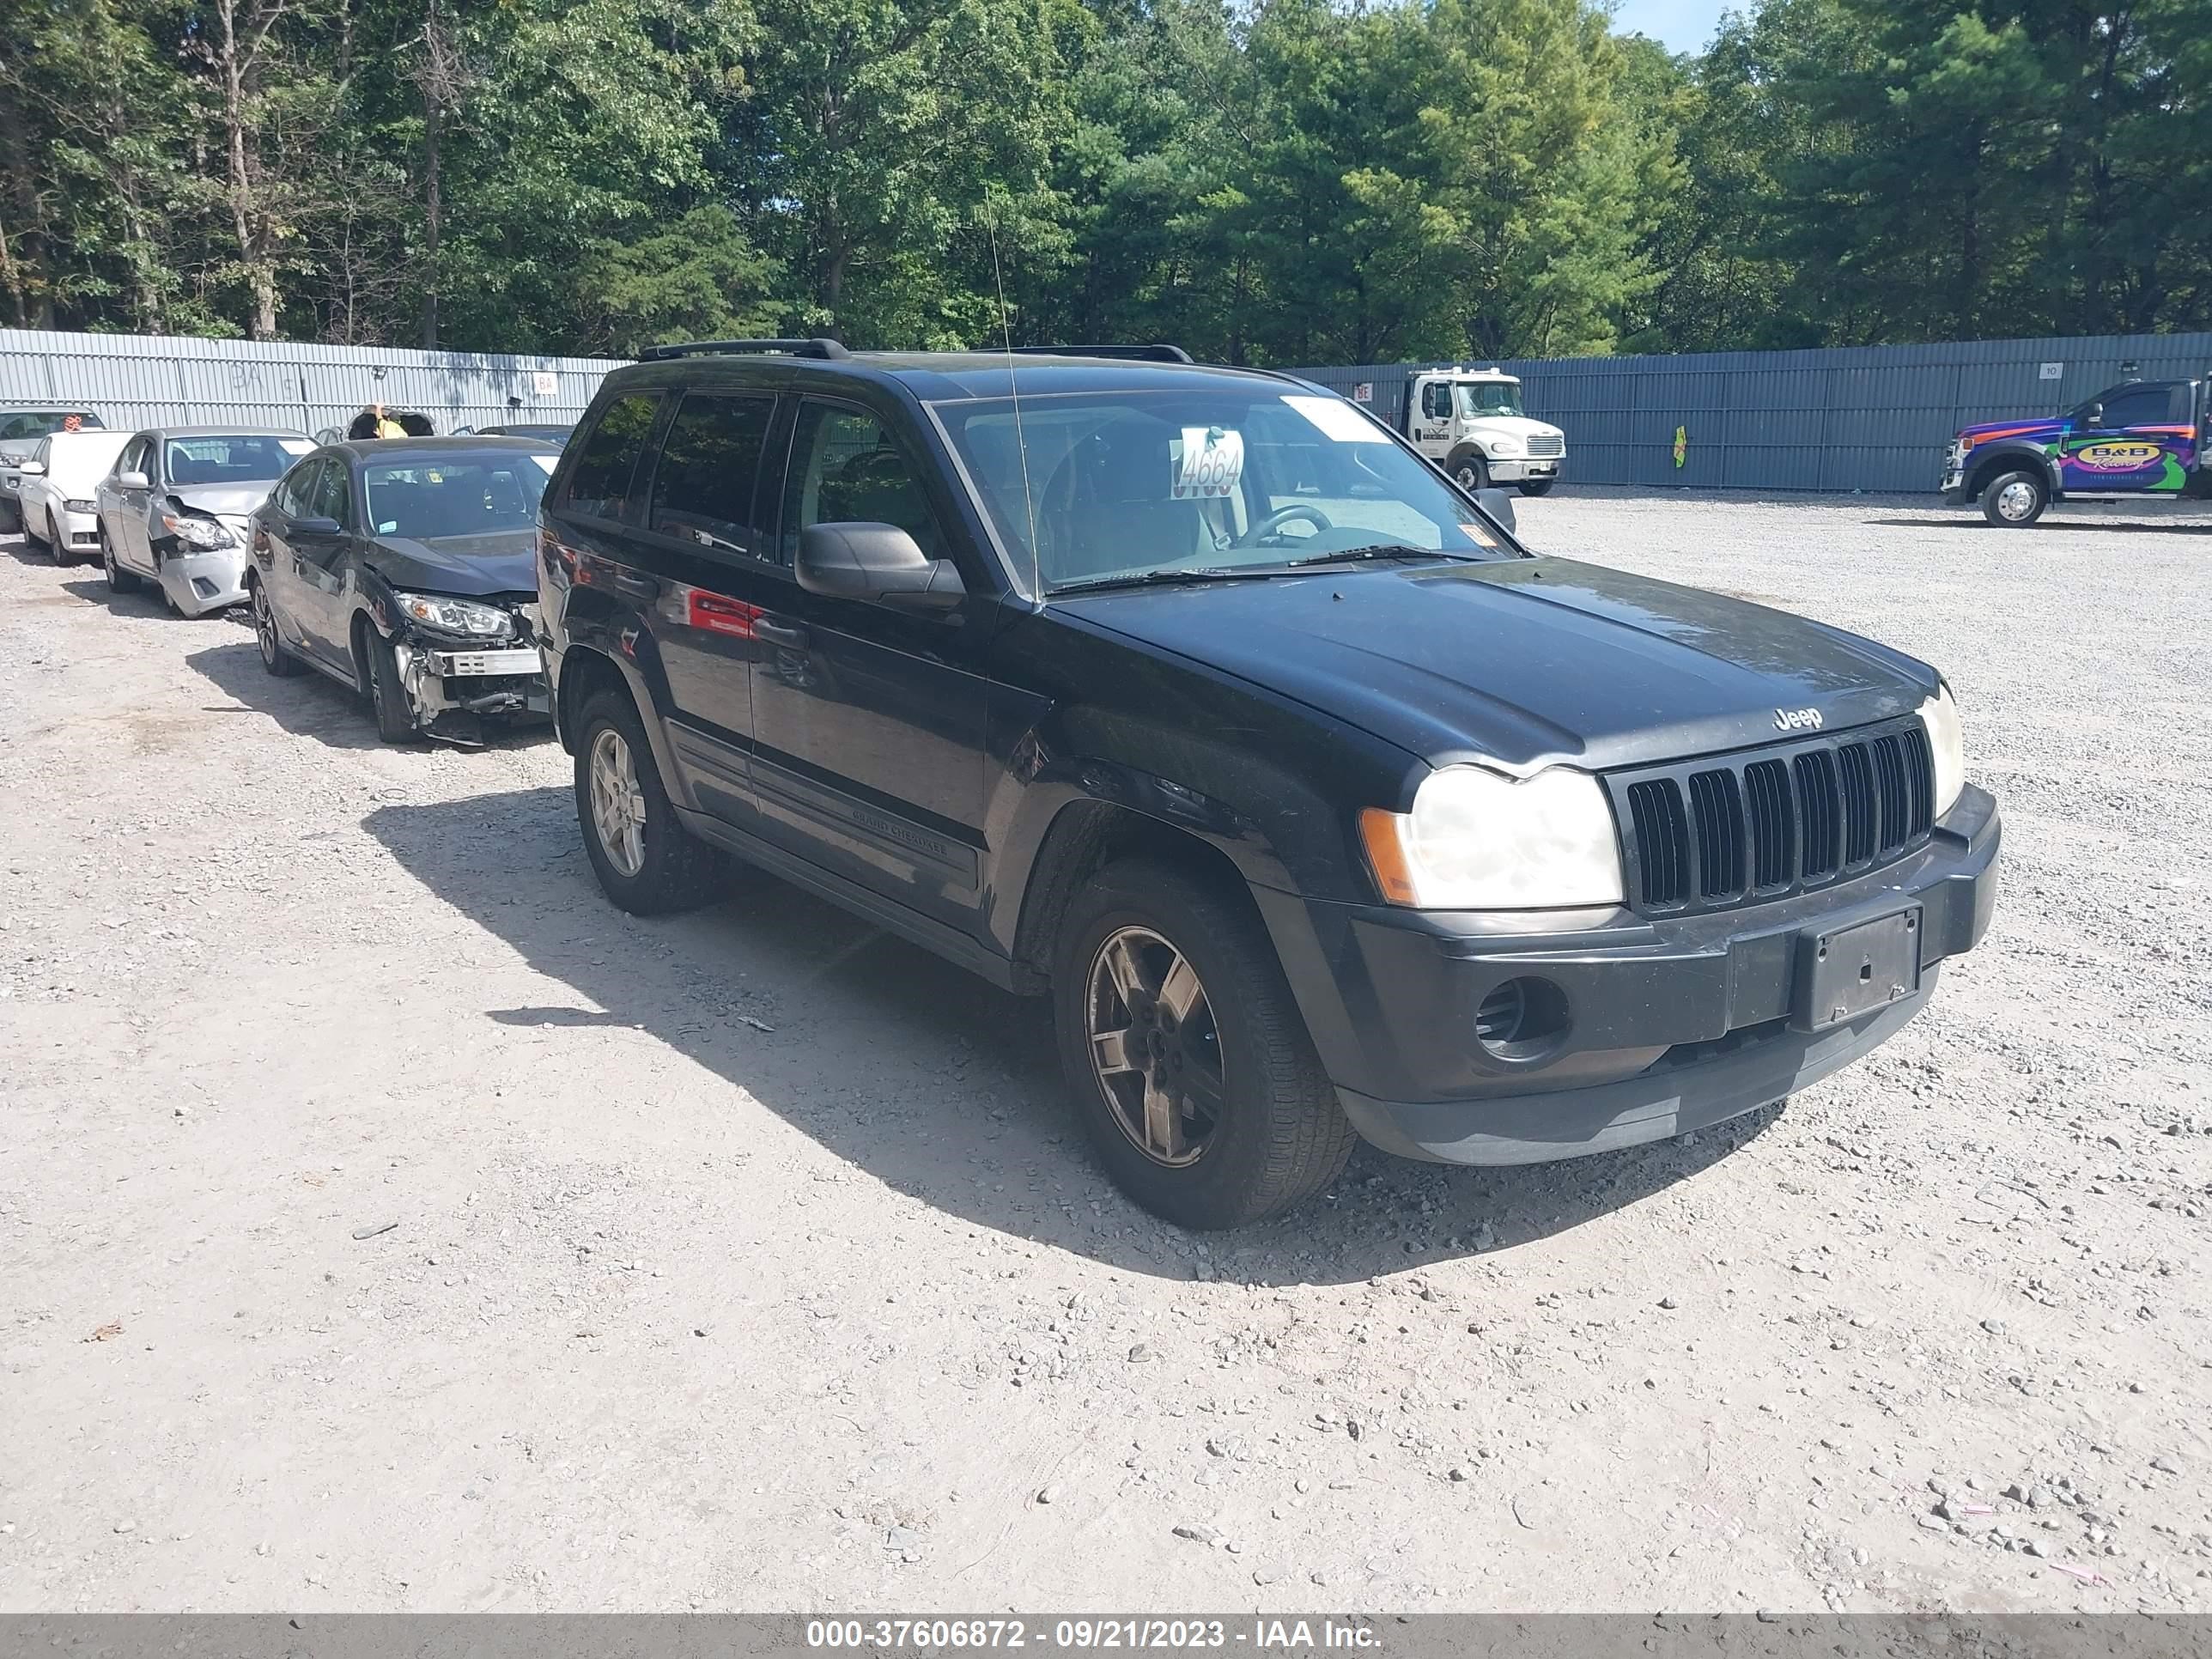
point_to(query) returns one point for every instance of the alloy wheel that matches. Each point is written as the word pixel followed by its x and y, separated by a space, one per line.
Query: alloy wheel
pixel 617 803
pixel 2017 501
pixel 265 625
pixel 1155 1050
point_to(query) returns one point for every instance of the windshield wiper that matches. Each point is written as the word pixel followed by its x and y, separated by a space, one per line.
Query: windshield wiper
pixel 1162 578
pixel 1376 551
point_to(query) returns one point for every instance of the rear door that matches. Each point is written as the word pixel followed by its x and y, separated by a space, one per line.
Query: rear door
pixel 868 720
pixel 324 563
pixel 2141 441
pixel 703 521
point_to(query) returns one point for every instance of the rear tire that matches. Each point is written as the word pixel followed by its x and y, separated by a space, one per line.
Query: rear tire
pixel 119 581
pixel 647 861
pixel 388 697
pixel 2014 499
pixel 274 659
pixel 1469 472
pixel 1206 1103
pixel 1538 486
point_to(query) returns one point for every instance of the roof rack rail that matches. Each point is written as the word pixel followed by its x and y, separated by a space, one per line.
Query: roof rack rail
pixel 816 348
pixel 1142 354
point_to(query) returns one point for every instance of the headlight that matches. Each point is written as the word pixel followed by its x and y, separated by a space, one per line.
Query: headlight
pixel 81 507
pixel 463 616
pixel 201 533
pixel 1946 742
pixel 1477 841
pixel 1505 446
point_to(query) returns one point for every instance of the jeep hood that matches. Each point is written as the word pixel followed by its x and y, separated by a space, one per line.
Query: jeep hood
pixel 1524 661
pixel 467 567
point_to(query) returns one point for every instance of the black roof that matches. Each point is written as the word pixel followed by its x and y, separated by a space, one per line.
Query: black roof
pixel 939 376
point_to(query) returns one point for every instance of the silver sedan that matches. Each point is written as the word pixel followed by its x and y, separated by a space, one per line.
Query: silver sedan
pixel 174 509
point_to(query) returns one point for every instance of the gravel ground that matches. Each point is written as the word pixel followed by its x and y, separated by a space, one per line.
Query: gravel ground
pixel 387 1222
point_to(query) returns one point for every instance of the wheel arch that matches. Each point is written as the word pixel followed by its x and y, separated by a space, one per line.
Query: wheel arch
pixel 586 669
pixel 1085 836
pixel 2010 458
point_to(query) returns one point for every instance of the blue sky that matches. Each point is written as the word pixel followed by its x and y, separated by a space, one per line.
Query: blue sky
pixel 1682 25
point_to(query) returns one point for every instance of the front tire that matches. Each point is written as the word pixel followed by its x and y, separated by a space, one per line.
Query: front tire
pixel 395 717
pixel 1538 486
pixel 119 581
pixel 1193 1072
pixel 1469 472
pixel 2014 499
pixel 647 861
pixel 57 548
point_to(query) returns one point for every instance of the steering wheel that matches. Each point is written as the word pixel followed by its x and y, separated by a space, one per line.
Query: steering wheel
pixel 1274 521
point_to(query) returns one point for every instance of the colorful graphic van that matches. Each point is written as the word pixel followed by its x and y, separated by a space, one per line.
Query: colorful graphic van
pixel 2142 438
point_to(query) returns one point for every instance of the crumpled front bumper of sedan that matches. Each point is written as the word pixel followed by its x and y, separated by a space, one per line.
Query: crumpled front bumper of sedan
pixel 451 686
pixel 200 581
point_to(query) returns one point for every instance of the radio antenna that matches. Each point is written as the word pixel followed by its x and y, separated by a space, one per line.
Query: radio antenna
pixel 1021 443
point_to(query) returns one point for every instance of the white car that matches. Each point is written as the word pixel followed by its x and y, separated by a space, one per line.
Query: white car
pixel 175 509
pixel 58 484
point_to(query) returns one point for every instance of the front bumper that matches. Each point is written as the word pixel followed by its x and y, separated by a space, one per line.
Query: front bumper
pixel 442 681
pixel 200 581
pixel 1669 1025
pixel 1524 471
pixel 80 531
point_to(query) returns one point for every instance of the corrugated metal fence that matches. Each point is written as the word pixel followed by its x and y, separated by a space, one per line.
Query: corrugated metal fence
pixel 1859 417
pixel 144 380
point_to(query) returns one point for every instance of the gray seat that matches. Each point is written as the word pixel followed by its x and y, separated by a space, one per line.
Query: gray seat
pixel 1107 507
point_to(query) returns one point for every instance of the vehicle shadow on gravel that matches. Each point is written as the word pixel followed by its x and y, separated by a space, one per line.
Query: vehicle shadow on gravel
pixel 2182 526
pixel 313 705
pixel 928 1079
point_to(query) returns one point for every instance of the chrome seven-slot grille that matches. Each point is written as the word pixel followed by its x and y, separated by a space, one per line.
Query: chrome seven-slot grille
pixel 1543 447
pixel 1705 834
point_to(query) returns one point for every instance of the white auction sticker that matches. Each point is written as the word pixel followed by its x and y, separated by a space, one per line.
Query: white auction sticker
pixel 1339 420
pixel 296 446
pixel 1210 466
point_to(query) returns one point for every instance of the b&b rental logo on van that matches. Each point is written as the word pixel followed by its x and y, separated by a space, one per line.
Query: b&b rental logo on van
pixel 2116 457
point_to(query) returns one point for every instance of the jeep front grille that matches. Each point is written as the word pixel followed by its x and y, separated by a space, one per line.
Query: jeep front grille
pixel 1728 830
pixel 1546 449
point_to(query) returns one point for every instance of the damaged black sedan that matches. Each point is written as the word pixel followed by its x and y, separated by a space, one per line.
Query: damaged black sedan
pixel 402 567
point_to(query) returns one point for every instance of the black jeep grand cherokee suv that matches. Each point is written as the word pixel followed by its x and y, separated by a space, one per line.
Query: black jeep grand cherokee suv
pixel 1197 699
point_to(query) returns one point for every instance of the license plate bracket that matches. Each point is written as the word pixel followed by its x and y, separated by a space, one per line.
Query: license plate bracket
pixel 1844 972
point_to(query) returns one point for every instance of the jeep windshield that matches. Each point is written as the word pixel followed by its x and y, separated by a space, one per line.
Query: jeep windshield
pixel 1201 482
pixel 1479 398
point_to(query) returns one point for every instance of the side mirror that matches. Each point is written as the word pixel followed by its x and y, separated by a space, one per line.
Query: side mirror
pixel 2093 416
pixel 310 528
pixel 131 481
pixel 31 469
pixel 865 560
pixel 1499 505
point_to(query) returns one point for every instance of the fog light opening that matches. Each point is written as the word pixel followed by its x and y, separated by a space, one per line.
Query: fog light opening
pixel 1521 1019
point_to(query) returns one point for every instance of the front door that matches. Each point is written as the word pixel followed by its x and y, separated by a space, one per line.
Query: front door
pixel 128 531
pixel 868 720
pixel 2134 439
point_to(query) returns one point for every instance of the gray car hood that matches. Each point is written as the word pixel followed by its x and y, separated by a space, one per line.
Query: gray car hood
pixel 223 501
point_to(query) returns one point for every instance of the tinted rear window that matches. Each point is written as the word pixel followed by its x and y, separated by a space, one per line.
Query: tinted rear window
pixel 600 483
pixel 702 490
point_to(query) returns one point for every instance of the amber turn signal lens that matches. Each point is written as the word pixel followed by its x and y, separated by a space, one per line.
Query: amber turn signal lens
pixel 1386 853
